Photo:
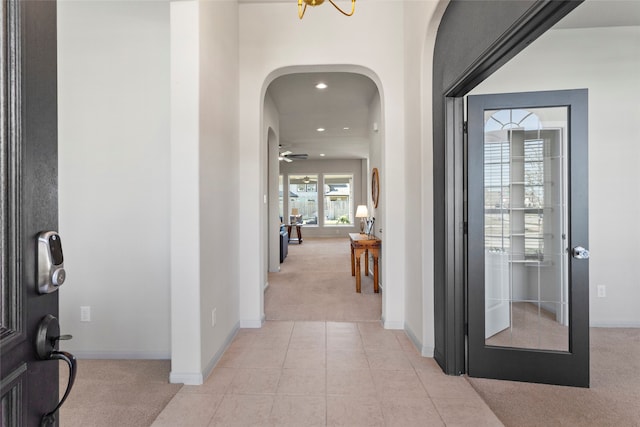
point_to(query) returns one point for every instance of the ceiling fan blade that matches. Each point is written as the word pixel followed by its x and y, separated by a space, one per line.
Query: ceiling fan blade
pixel 287 160
pixel 285 153
pixel 297 156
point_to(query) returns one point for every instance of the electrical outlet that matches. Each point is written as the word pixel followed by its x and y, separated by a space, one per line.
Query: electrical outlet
pixel 213 317
pixel 85 314
pixel 602 291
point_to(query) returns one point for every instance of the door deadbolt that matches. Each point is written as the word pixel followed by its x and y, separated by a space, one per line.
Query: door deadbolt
pixel 51 273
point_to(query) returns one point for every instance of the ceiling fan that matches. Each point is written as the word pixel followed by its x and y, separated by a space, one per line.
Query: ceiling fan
pixel 288 156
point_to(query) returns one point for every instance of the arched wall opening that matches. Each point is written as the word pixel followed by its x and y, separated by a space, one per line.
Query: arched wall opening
pixel 390 42
pixel 270 164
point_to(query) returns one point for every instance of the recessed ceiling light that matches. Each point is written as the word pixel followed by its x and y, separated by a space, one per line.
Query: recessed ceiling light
pixel 321 154
pixel 321 85
pixel 320 129
pixel 345 128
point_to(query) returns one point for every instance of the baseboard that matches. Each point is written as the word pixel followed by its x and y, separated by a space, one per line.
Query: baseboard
pixel 423 349
pixel 187 378
pixel 392 325
pixel 427 351
pixel 216 358
pixel 615 325
pixel 412 337
pixel 252 324
pixel 197 378
pixel 119 355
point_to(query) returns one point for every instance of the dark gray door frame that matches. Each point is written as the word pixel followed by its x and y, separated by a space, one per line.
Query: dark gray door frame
pixel 474 40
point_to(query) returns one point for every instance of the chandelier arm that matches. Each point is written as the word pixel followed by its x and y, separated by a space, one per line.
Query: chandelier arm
pixel 353 8
pixel 301 10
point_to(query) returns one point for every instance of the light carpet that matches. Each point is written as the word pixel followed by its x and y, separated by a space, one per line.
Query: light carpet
pixel 111 393
pixel 315 283
pixel 612 400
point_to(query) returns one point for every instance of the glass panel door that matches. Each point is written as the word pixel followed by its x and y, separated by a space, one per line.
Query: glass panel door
pixel 527 210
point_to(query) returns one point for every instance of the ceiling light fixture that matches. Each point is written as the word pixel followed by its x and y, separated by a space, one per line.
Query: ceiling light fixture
pixel 320 129
pixel 322 154
pixel 321 85
pixel 313 3
pixel 345 128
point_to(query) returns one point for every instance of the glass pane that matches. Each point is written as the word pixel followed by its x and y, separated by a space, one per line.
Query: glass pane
pixel 338 199
pixel 525 228
pixel 303 199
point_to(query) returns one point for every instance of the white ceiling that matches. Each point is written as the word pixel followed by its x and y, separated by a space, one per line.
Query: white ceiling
pixel 303 109
pixel 345 103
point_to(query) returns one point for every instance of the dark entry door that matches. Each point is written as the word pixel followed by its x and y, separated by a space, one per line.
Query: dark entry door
pixel 528 269
pixel 28 154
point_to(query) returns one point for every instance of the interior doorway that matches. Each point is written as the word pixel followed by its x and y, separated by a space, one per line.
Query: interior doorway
pixel 323 142
pixel 481 47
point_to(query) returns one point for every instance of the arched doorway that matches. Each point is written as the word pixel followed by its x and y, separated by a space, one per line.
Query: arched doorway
pixel 323 123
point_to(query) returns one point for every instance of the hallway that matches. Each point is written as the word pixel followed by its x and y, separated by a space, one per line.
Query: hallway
pixel 326 374
pixel 311 370
pixel 323 359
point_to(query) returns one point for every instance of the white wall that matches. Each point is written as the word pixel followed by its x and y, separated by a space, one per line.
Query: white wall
pixel 115 152
pixel 186 353
pixel 204 149
pixel 418 215
pixel 376 132
pixel 113 81
pixel 162 208
pixel 606 61
pixel 218 176
pixel 272 38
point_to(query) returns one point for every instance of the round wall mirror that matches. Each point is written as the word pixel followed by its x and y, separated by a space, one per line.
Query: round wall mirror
pixel 375 187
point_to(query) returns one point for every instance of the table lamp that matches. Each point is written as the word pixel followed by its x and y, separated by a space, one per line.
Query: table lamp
pixel 362 212
pixel 294 214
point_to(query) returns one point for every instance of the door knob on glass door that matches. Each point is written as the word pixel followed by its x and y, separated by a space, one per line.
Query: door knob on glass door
pixel 580 253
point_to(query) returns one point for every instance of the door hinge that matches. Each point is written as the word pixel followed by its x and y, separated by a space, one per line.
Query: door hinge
pixel 465 127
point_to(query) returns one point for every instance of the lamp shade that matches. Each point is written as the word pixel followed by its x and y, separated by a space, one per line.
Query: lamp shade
pixel 294 211
pixel 362 211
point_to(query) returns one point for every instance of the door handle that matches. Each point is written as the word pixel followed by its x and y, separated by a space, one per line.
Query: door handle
pixel 46 340
pixel 580 253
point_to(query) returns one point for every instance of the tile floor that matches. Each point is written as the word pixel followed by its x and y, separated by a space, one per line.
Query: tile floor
pixel 326 374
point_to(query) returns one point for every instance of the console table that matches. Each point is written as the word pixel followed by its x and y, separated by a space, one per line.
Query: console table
pixel 363 243
pixel 298 228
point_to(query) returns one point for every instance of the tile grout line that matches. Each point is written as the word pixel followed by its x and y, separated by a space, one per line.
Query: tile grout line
pixel 326 374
